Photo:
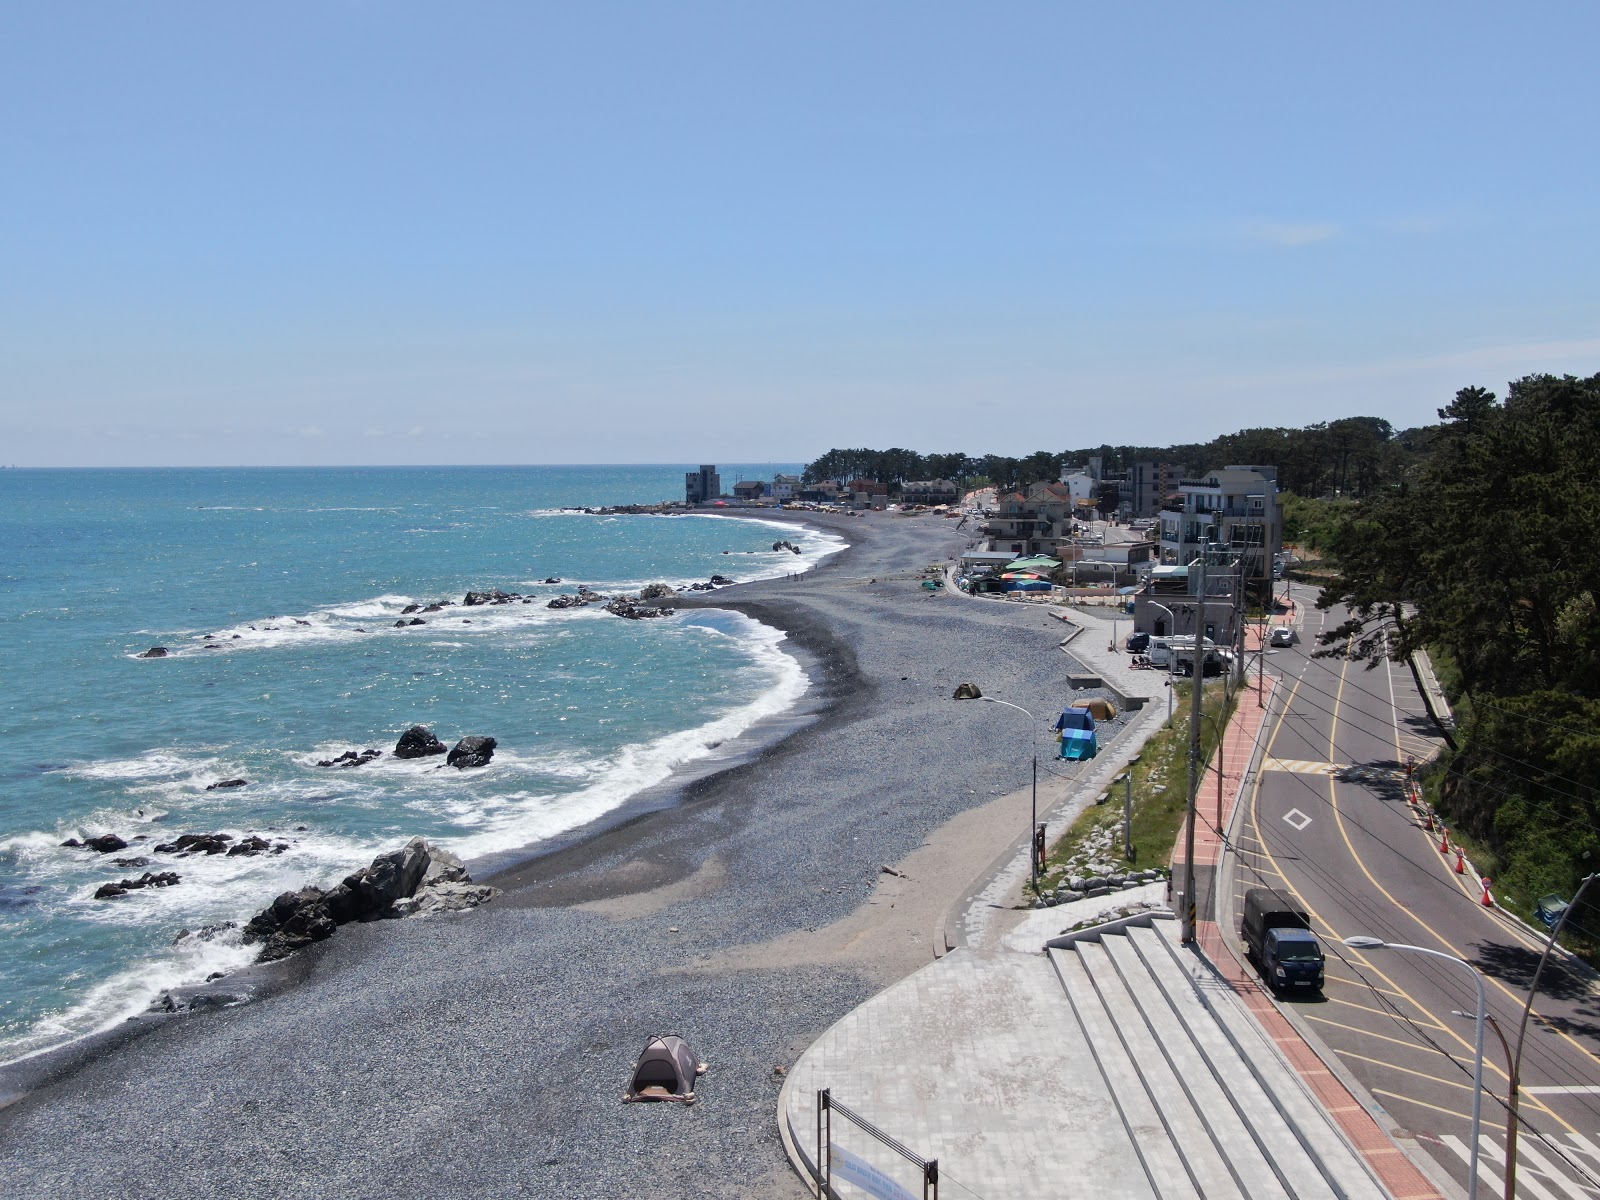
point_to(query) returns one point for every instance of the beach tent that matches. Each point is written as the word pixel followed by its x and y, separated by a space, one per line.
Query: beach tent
pixel 665 1070
pixel 1102 709
pixel 1076 726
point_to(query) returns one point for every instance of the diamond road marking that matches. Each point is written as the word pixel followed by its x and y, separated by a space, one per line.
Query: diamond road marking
pixel 1297 819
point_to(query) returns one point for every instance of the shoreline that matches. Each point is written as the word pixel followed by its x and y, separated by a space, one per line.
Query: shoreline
pixel 684 917
pixel 818 656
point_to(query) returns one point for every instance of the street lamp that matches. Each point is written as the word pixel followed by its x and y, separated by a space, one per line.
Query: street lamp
pixel 1365 942
pixel 1515 1056
pixel 969 691
pixel 1172 656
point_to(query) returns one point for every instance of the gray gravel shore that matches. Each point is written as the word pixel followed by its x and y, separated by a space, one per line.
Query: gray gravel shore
pixel 484 1054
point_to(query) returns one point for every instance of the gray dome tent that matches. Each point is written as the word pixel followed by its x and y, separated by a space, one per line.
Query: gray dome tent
pixel 665 1070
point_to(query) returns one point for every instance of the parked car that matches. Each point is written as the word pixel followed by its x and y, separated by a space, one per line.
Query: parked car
pixel 1137 643
pixel 1281 635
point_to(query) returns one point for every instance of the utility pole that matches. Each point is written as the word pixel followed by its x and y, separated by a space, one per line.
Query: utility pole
pixel 1197 679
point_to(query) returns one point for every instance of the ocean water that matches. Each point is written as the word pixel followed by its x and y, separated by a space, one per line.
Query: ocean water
pixel 297 578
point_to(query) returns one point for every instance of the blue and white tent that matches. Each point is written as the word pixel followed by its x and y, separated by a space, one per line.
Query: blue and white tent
pixel 1076 727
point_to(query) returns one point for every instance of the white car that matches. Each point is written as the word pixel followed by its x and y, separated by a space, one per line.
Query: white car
pixel 1282 635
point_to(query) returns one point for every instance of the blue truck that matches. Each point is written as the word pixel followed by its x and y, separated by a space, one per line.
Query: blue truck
pixel 1278 932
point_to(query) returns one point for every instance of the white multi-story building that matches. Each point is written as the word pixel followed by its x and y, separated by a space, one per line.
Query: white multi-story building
pixel 1235 514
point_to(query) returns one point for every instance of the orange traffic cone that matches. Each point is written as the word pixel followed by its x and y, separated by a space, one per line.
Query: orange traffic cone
pixel 1461 862
pixel 1444 840
pixel 1429 815
pixel 1488 900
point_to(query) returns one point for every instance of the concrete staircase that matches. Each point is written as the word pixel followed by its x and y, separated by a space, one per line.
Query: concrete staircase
pixel 1210 1107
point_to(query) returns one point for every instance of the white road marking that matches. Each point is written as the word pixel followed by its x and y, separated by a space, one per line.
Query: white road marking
pixel 1296 820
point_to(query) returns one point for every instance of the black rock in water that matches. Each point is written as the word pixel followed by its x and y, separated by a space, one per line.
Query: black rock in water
pixel 104 844
pixel 154 652
pixel 197 843
pixel 472 752
pixel 418 742
pixel 226 783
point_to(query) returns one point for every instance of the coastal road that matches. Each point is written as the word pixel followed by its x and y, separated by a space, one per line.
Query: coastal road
pixel 1329 820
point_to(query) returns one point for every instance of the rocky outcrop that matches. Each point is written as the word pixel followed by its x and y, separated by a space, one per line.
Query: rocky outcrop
pixel 657 591
pixel 351 758
pixel 418 742
pixel 196 843
pixel 722 581
pixel 154 652
pixel 471 752
pixel 789 546
pixel 411 881
pixel 553 579
pixel 109 891
pixel 226 783
pixel 403 623
pixel 635 612
pixel 492 596
pixel 104 844
pixel 253 845
pixel 582 597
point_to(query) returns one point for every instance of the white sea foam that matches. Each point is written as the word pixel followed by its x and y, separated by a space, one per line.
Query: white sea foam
pixel 529 818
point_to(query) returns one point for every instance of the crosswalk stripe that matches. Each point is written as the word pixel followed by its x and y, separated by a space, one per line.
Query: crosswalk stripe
pixel 1484 1173
pixel 1534 1165
pixel 1582 1145
pixel 1528 1150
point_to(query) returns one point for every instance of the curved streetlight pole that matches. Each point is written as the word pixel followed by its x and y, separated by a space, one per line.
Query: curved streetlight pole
pixel 1515 1056
pixel 1172 657
pixel 1033 824
pixel 1364 942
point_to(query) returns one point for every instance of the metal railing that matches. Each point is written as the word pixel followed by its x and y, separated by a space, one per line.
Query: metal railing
pixel 854 1170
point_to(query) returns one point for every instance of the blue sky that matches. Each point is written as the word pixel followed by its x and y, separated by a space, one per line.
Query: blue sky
pixel 373 232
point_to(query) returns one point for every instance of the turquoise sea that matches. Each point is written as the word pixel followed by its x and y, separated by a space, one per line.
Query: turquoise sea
pixel 297 577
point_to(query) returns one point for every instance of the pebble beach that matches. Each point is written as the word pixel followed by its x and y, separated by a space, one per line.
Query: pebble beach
pixel 744 907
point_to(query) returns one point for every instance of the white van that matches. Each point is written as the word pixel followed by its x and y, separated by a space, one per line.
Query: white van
pixel 1162 650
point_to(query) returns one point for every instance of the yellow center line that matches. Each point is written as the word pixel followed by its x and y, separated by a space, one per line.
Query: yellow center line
pixel 1378 1012
pixel 1338 816
pixel 1387 1065
pixel 1255 796
pixel 1413 1043
pixel 1449 1112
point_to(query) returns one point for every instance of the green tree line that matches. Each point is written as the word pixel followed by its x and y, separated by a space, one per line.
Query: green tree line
pixel 1486 552
pixel 1348 458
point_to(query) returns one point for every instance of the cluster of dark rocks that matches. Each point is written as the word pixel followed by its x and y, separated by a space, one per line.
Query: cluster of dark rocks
pixel 414 880
pixel 790 546
pixel 225 784
pixel 187 844
pixel 351 758
pixel 578 599
pixel 1087 887
pixel 712 584
pixel 438 606
pixel 402 623
pixel 622 607
pixel 419 742
pixel 106 843
pixel 160 879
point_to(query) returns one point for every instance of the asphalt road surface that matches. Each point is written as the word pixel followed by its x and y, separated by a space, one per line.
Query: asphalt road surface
pixel 1329 819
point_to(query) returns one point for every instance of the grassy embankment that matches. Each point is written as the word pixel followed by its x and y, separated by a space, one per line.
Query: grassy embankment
pixel 1160 793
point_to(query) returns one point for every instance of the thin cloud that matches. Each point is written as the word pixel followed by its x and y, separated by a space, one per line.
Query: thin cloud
pixel 1290 236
